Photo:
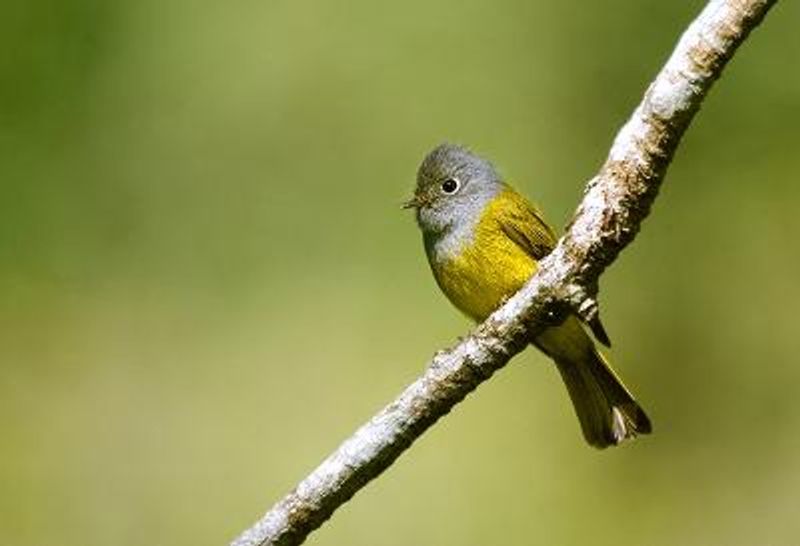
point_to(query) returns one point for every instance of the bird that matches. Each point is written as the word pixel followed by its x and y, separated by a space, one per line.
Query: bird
pixel 483 241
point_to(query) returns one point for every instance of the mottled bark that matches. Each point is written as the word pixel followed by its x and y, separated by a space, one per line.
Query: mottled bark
pixel 608 218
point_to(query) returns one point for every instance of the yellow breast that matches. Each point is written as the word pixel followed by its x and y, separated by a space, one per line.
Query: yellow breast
pixel 486 270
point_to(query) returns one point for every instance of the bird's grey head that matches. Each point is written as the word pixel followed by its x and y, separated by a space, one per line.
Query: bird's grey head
pixel 453 187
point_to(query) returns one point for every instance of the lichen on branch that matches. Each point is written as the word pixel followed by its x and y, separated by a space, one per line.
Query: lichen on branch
pixel 615 203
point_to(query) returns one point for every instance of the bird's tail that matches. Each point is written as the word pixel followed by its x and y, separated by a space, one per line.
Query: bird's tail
pixel 606 410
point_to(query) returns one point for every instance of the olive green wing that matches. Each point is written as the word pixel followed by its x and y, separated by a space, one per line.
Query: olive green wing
pixel 522 222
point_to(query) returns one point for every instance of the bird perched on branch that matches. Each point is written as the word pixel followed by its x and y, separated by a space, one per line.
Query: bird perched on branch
pixel 483 241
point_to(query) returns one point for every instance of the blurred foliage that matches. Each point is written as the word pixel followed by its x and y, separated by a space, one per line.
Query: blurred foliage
pixel 206 282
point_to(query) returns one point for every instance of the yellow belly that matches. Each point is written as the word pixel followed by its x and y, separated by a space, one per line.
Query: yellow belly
pixel 484 273
pixel 490 268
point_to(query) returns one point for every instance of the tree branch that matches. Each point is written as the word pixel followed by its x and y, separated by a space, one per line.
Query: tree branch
pixel 614 205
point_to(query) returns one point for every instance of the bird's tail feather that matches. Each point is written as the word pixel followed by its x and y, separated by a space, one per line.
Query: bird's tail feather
pixel 606 410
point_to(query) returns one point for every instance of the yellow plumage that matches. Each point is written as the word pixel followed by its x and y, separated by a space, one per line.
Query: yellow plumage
pixel 508 239
pixel 493 267
pixel 483 242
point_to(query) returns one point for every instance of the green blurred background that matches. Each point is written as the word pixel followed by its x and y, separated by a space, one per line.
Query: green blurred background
pixel 206 282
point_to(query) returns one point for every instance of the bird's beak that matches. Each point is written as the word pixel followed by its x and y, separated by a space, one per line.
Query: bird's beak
pixel 415 202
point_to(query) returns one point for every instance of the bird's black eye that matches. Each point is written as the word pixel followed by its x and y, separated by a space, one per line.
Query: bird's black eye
pixel 450 186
